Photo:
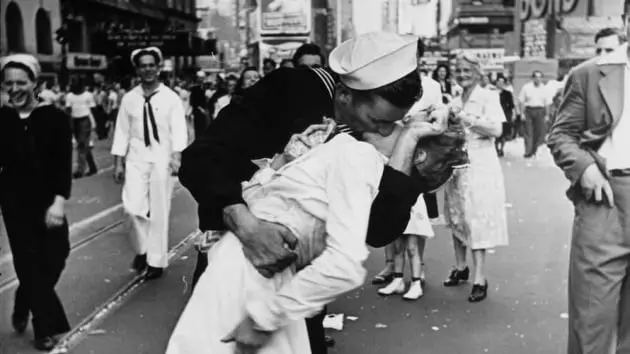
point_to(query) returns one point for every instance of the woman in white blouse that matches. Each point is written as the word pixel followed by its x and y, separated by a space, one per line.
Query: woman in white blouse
pixel 475 197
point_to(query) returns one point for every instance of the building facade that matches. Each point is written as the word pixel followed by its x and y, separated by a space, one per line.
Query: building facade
pixel 576 23
pixel 480 27
pixel 28 26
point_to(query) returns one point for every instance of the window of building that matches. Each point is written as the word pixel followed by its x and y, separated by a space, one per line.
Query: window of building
pixel 14 28
pixel 43 32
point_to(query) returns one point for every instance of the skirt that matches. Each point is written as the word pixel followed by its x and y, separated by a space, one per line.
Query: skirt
pixel 419 223
pixel 474 203
pixel 217 306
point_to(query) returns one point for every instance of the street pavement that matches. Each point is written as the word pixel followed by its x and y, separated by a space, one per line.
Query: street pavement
pixel 524 313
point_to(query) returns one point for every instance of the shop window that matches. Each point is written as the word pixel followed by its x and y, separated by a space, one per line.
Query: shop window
pixel 43 32
pixel 14 28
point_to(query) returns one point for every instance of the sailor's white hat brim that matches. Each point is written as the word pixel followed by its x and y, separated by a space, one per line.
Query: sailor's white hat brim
pixel 27 60
pixel 374 59
pixel 154 50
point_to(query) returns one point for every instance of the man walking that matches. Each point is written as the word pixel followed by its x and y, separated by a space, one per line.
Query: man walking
pixel 150 134
pixel 590 141
pixel 534 103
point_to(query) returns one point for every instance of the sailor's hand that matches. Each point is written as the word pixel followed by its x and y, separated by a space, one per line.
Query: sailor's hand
pixel 416 129
pixel 247 338
pixel 268 246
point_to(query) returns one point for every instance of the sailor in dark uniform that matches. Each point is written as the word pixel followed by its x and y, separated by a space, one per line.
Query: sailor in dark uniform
pixel 284 103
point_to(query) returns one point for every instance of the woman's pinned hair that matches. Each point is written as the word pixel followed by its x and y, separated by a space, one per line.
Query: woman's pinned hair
pixel 445 152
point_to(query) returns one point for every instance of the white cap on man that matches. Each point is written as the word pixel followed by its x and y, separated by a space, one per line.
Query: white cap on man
pixel 155 51
pixel 374 59
pixel 26 60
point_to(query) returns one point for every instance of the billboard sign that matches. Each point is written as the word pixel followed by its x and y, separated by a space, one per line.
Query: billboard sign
pixel 491 59
pixel 285 17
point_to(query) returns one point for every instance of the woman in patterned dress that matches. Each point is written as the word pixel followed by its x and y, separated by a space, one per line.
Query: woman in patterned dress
pixel 475 197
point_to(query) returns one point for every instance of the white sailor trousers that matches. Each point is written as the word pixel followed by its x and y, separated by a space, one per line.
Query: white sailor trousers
pixel 146 197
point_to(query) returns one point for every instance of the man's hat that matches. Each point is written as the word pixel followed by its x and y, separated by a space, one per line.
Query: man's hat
pixel 149 50
pixel 374 59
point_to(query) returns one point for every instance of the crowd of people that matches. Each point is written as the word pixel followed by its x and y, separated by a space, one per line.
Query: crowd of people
pixel 272 159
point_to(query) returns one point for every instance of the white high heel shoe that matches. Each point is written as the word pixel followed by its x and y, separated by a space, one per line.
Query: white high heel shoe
pixel 397 286
pixel 415 291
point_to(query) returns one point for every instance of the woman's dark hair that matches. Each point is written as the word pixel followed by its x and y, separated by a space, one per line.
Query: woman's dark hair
pixel 402 93
pixel 269 61
pixel 241 79
pixel 445 152
pixel 136 58
pixel 17 65
pixel 77 86
pixel 439 66
pixel 285 61
pixel 308 49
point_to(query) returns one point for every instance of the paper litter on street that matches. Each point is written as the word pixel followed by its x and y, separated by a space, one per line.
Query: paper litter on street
pixel 334 321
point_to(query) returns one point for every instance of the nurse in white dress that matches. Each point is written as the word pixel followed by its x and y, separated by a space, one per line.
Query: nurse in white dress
pixel 325 203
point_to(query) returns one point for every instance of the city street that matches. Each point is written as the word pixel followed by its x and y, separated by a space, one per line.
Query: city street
pixel 524 313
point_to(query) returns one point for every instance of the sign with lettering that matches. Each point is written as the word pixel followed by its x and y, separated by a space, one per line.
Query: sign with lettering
pixel 86 61
pixel 285 16
pixel 539 8
pixel 171 43
pixel 491 59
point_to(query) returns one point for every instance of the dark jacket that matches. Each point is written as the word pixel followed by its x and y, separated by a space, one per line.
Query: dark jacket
pixel 283 103
pixel 35 155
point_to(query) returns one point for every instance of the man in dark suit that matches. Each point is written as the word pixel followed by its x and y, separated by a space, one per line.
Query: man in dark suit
pixel 283 103
pixel 590 141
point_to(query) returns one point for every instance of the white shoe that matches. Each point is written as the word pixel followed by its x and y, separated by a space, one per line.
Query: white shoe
pixel 415 291
pixel 397 286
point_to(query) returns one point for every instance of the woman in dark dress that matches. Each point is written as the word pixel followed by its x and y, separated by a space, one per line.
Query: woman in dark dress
pixel 35 182
pixel 507 103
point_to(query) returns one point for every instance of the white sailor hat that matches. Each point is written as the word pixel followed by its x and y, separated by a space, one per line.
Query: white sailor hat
pixel 26 60
pixel 374 59
pixel 152 50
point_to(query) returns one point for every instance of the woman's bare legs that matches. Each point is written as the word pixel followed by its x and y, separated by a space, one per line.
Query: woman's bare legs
pixel 415 247
pixel 480 284
pixel 461 272
pixel 397 284
pixel 479 262
pixel 385 275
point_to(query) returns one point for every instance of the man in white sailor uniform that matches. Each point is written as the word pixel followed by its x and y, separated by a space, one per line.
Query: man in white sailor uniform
pixel 150 134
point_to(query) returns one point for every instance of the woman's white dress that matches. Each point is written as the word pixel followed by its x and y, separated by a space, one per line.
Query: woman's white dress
pixel 475 196
pixel 323 199
pixel 419 223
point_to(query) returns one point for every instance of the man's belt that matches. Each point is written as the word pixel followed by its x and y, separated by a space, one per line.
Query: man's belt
pixel 620 172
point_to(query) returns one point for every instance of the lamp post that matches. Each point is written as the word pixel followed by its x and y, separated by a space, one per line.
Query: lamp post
pixel 552 25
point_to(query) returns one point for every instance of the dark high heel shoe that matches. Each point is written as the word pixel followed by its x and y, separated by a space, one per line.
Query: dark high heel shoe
pixel 479 292
pixel 153 273
pixel 457 277
pixel 46 343
pixel 19 323
pixel 140 263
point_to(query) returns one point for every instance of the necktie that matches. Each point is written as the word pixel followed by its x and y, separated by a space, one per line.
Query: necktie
pixel 147 114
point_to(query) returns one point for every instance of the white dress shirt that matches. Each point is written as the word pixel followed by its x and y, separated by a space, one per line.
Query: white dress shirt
pixel 170 120
pixel 534 96
pixel 617 145
pixel 80 105
pixel 324 197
